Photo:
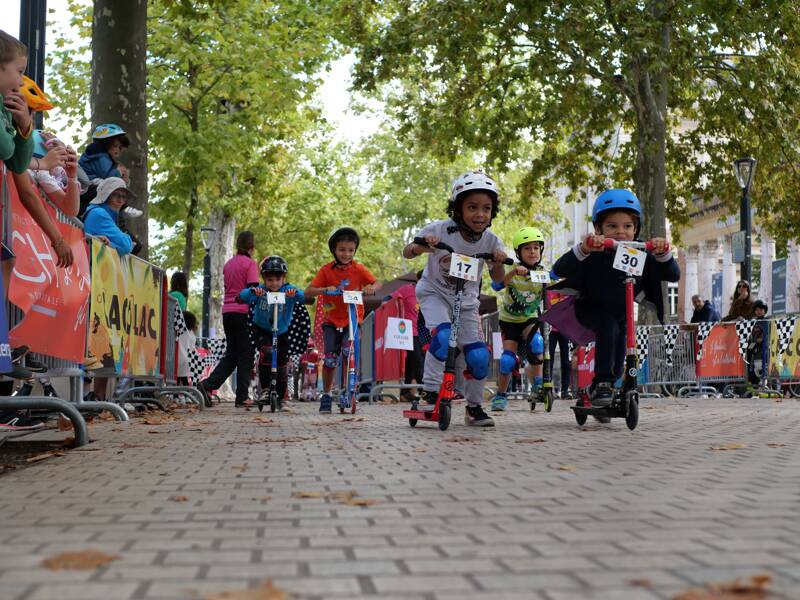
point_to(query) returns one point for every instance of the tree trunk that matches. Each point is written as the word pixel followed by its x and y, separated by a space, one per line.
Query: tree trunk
pixel 119 79
pixel 221 250
pixel 188 234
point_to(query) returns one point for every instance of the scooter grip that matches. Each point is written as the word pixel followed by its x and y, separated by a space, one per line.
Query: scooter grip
pixel 650 246
pixel 609 244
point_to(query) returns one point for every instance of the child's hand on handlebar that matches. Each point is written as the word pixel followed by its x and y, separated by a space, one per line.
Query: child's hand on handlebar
pixel 520 270
pixel 258 291
pixel 369 290
pixel 499 255
pixel 432 240
pixel 331 288
pixel 592 243
pixel 660 246
pixel 291 293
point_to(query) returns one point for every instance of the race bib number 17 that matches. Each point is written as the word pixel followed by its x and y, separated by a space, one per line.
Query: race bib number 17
pixel 464 267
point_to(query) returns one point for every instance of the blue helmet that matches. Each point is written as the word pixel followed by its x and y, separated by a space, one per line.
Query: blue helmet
pixel 107 130
pixel 616 199
pixel 39 147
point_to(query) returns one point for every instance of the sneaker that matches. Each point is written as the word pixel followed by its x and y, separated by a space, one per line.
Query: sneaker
pixel 34 366
pixel 25 389
pixel 429 397
pixel 49 390
pixel 131 212
pixel 499 403
pixel 602 395
pixel 20 423
pixel 18 353
pixel 325 404
pixel 475 415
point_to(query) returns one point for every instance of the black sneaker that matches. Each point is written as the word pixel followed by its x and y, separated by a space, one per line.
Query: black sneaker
pixel 429 397
pixel 475 416
pixel 25 389
pixel 34 365
pixel 602 395
pixel 49 390
pixel 18 353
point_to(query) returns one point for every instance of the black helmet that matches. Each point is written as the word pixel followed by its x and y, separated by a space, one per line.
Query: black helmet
pixel 343 233
pixel 274 264
pixel 761 304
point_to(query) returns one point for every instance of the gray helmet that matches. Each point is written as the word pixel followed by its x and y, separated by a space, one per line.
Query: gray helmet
pixel 274 264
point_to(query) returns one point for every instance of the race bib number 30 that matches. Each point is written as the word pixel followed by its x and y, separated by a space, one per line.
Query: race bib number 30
pixel 352 297
pixel 276 297
pixel 629 260
pixel 464 267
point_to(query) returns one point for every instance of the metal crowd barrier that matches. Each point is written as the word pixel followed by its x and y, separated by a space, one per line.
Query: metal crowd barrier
pixel 669 373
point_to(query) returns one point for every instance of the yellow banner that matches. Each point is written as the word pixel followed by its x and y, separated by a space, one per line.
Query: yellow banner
pixel 788 365
pixel 125 313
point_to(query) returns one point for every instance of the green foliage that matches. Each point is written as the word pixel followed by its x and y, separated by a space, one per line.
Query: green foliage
pixel 606 89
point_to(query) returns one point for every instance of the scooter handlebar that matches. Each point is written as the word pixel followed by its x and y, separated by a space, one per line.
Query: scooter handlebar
pixel 442 246
pixel 490 256
pixel 332 293
pixel 611 244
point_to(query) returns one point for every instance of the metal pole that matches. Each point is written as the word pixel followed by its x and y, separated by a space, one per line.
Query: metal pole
pixel 744 221
pixel 206 293
pixel 32 27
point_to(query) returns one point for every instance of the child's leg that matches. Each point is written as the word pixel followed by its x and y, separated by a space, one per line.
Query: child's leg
pixel 477 358
pixel 609 342
pixel 437 317
pixel 534 352
pixel 333 347
pixel 507 363
pixel 283 363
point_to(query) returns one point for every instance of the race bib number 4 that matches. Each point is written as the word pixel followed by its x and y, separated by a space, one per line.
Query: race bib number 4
pixel 276 297
pixel 464 267
pixel 629 260
pixel 352 297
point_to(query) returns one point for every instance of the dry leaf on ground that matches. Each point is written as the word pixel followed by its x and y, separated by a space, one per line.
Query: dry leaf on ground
pixel 463 439
pixel 569 468
pixel 84 560
pixel 359 502
pixel 728 447
pixel 64 424
pixel 178 498
pixel 530 441
pixel 776 445
pixel 239 467
pixel 43 456
pixel 157 419
pixel 420 449
pixel 266 591
pixel 755 587
pixel 306 494
pixel 260 419
pixel 640 582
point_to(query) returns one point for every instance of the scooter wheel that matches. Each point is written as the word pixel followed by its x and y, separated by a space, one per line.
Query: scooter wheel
pixel 353 407
pixel 632 417
pixel 532 402
pixel 547 398
pixel 273 402
pixel 444 416
pixel 580 419
pixel 412 422
pixel 341 409
pixel 260 407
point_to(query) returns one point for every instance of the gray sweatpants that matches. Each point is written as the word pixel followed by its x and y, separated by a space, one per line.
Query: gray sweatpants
pixel 438 309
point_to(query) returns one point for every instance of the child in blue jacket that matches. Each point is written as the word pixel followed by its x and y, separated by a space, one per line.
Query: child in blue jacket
pixel 600 288
pixel 100 159
pixel 273 271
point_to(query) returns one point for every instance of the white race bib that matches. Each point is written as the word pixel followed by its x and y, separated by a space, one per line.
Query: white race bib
pixel 464 267
pixel 353 297
pixel 276 297
pixel 629 260
pixel 540 277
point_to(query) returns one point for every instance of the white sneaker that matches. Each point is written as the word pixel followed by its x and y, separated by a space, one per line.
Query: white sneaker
pixel 131 212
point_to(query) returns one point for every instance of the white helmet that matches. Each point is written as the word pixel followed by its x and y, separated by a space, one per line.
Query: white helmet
pixel 473 181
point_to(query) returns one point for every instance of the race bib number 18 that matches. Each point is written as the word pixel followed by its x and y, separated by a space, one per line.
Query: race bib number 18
pixel 540 276
pixel 464 267
pixel 629 260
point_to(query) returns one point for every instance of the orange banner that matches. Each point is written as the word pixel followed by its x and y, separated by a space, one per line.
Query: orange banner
pixel 721 356
pixel 54 300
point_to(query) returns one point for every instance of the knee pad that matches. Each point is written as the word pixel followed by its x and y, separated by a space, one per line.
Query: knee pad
pixel 477 357
pixel 507 362
pixel 329 361
pixel 440 337
pixel 265 356
pixel 534 348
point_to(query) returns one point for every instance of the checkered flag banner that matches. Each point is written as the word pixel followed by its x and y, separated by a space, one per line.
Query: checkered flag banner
pixel 641 345
pixel 216 350
pixel 670 337
pixel 743 330
pixel 178 322
pixel 703 329
pixel 785 330
pixel 196 365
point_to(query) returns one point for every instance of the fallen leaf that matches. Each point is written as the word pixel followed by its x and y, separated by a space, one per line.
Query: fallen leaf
pixel 640 582
pixel 307 495
pixel 359 502
pixel 569 468
pixel 342 496
pixel 728 447
pixel 263 420
pixel 462 439
pixel 83 560
pixel 530 441
pixel 44 456
pixel 156 431
pixel 178 499
pixel 128 445
pixel 755 587
pixel 239 467
pixel 266 591
pixel 157 419
pixel 776 445
pixel 420 450
pixel 354 419
pixel 64 424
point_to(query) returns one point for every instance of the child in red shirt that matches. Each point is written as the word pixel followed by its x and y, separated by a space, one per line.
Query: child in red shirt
pixel 343 273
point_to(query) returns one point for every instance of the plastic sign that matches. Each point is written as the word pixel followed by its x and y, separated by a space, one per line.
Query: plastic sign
pixel 352 297
pixel 540 276
pixel 399 334
pixel 464 267
pixel 629 260
pixel 276 297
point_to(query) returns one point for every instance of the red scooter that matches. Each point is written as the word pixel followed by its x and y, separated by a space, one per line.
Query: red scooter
pixel 625 403
pixel 440 412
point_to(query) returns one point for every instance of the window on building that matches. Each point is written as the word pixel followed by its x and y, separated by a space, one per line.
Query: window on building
pixel 672 299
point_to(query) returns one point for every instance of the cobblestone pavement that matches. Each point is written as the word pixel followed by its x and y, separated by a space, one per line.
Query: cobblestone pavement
pixel 535 508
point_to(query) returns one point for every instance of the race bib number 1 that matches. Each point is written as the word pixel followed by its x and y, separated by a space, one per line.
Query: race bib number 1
pixel 629 260
pixel 352 297
pixel 276 297
pixel 464 267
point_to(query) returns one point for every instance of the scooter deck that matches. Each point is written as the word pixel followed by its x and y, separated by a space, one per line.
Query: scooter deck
pixel 613 411
pixel 426 413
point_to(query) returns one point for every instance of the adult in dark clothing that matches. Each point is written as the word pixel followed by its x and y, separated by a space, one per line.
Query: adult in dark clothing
pixel 704 312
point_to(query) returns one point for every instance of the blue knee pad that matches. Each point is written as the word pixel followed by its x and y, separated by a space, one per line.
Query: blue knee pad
pixel 536 343
pixel 507 362
pixel 477 357
pixel 329 361
pixel 440 337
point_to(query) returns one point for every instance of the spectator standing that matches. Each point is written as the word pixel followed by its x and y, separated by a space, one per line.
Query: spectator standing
pixel 704 311
pixel 556 338
pixel 742 304
pixel 179 288
pixel 415 359
pixel 239 272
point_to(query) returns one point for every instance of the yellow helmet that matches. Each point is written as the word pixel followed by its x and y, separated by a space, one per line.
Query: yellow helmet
pixel 34 96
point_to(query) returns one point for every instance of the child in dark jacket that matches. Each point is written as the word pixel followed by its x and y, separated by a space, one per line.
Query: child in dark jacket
pixel 600 288
pixel 100 159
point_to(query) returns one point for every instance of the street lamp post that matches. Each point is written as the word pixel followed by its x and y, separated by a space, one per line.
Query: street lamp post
pixel 208 241
pixel 745 167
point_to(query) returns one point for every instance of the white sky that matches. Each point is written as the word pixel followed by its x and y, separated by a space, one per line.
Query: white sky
pixel 334 94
